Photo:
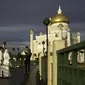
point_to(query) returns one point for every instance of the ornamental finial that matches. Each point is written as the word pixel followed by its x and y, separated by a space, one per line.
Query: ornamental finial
pixel 59 10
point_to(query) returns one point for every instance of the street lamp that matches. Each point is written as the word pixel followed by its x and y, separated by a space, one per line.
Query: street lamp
pixel 46 22
pixel 43 42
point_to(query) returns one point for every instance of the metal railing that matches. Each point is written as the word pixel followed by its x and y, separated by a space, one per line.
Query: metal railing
pixel 70 71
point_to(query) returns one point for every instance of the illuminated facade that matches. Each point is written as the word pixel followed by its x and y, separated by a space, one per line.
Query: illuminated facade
pixel 58 29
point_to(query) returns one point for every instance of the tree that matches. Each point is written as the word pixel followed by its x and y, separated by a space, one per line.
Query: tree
pixel 13 49
pixel 18 50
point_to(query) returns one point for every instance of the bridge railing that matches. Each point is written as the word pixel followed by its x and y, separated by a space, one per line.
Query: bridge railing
pixel 71 71
pixel 43 69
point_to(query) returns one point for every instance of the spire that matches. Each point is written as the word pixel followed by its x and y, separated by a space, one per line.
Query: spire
pixel 31 31
pixel 59 10
pixel 78 33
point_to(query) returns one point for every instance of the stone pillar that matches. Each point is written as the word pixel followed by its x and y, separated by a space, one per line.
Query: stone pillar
pixel 40 66
pixel 57 45
pixel 49 65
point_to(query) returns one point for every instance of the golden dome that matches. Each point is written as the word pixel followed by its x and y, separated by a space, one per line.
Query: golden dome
pixel 59 17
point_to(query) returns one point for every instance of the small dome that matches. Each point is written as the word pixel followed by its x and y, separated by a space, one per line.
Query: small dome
pixel 59 17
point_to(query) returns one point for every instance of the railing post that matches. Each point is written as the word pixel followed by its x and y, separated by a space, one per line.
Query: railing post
pixel 65 58
pixel 74 58
pixel 65 68
pixel 60 62
pixel 56 46
pixel 84 56
pixel 60 59
pixel 74 66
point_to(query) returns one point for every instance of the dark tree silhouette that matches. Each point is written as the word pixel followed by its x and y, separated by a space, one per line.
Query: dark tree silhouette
pixel 13 49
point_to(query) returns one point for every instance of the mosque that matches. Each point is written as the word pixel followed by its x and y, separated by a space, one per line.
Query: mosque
pixel 58 29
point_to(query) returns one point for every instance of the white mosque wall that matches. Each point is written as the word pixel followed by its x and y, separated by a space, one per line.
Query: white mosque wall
pixel 56 31
pixel 37 44
pixel 54 27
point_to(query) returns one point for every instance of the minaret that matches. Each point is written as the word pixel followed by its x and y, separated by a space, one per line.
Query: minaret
pixel 78 37
pixel 78 40
pixel 41 33
pixel 68 38
pixel 31 42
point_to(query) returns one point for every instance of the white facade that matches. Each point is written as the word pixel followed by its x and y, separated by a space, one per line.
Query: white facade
pixel 57 30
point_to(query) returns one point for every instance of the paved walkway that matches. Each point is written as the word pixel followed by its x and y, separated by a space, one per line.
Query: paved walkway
pixel 32 77
pixel 18 77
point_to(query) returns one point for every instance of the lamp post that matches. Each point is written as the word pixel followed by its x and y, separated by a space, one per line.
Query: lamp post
pixel 46 22
pixel 43 42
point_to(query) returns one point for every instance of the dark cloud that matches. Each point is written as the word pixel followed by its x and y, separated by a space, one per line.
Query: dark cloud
pixel 33 12
pixel 17 17
pixel 19 32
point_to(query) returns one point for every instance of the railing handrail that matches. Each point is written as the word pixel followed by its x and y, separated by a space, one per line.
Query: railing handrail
pixel 77 46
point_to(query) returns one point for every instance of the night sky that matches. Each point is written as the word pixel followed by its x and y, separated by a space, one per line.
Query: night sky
pixel 17 17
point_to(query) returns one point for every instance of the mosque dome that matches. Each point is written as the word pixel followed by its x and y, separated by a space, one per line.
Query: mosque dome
pixel 59 17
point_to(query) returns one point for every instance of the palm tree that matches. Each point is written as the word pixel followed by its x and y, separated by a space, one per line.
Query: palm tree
pixel 18 50
pixel 13 49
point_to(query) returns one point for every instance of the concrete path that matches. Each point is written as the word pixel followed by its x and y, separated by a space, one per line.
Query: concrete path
pixel 32 77
pixel 18 77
